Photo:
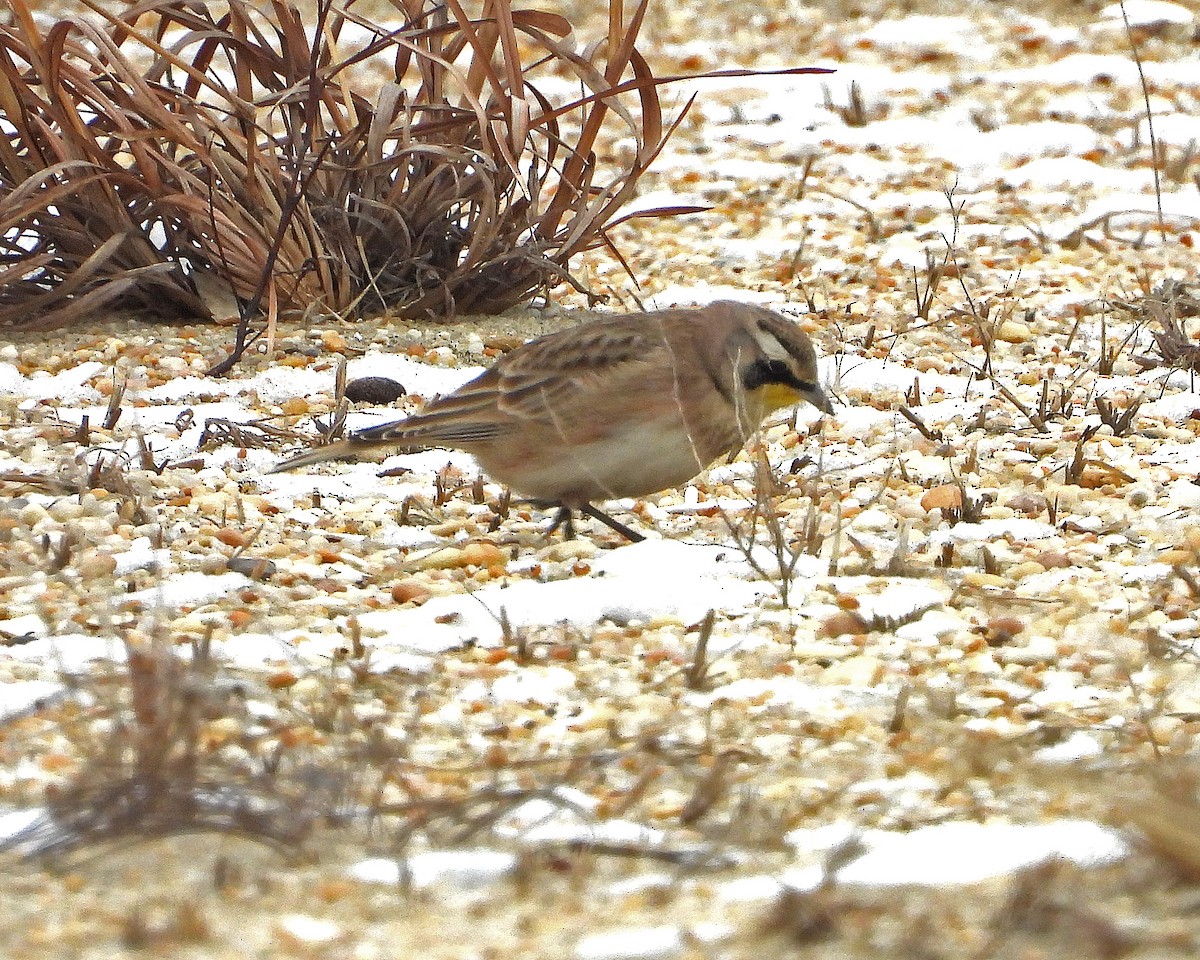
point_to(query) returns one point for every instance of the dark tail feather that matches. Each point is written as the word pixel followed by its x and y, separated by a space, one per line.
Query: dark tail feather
pixel 350 449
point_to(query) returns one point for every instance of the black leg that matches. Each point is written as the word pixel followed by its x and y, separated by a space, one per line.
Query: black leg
pixel 564 520
pixel 631 535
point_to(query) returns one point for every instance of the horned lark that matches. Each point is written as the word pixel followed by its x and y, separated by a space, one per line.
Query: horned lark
pixel 619 407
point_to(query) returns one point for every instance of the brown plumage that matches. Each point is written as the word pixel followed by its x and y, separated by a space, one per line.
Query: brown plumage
pixel 619 407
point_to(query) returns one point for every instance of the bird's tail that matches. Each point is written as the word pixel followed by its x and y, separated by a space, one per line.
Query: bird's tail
pixel 354 448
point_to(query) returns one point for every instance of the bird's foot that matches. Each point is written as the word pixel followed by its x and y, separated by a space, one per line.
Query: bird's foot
pixel 564 519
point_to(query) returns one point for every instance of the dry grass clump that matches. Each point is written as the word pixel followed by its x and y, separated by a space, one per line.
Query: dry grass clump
pixel 1165 311
pixel 169 747
pixel 173 741
pixel 184 138
pixel 445 161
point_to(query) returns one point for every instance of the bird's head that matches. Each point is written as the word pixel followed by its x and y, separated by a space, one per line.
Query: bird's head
pixel 783 371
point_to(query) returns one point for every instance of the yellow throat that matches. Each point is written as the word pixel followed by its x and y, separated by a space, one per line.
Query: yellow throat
pixel 775 396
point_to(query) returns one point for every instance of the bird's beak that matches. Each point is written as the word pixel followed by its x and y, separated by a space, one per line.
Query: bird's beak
pixel 816 396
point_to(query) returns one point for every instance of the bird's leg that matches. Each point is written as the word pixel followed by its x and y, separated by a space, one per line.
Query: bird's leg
pixel 589 511
pixel 565 520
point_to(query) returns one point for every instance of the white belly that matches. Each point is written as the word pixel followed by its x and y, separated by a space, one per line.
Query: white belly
pixel 630 463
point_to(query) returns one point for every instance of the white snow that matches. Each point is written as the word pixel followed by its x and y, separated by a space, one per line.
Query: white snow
pixel 445 870
pixel 1147 13
pixel 192 588
pixel 953 854
pixel 640 582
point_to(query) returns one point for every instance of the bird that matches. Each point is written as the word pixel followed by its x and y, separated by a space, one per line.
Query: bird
pixel 622 406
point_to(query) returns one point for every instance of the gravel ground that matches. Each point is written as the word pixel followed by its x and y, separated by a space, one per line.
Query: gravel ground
pixel 991 618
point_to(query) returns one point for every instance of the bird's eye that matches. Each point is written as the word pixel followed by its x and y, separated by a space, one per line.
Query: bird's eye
pixel 763 372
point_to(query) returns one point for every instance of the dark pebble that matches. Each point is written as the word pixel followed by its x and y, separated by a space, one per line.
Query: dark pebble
pixel 374 390
pixel 254 567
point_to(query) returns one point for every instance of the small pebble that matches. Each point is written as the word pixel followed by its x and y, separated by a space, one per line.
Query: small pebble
pixel 374 390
